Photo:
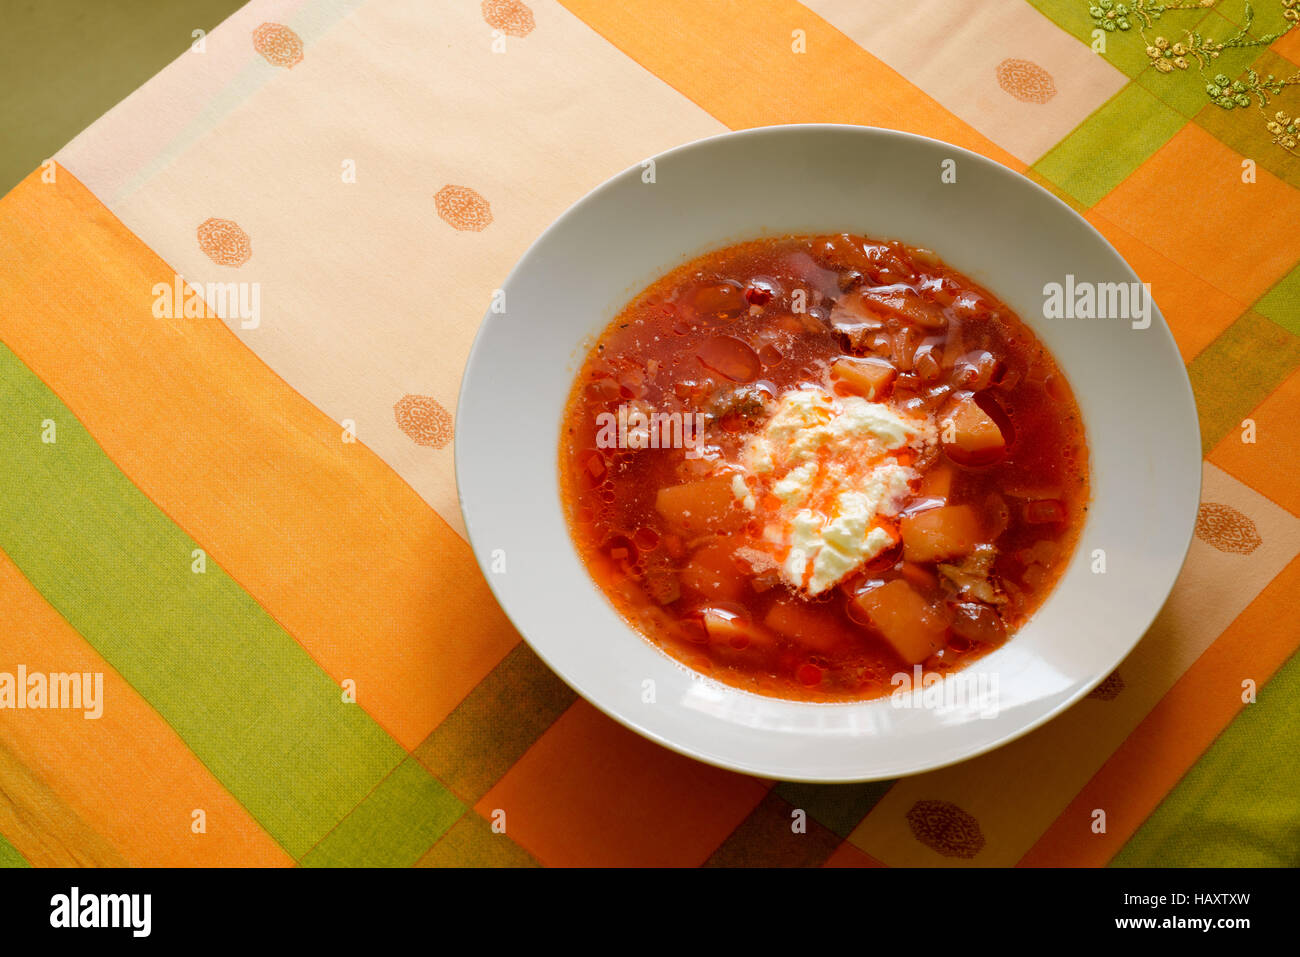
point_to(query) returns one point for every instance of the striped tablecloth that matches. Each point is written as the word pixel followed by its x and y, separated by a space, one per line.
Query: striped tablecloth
pixel 242 532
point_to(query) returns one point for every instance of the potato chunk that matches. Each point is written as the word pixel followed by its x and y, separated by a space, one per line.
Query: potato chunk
pixel 911 625
pixel 940 533
pixel 812 630
pixel 714 572
pixel 968 432
pixel 727 628
pixel 869 378
pixel 937 482
pixel 705 505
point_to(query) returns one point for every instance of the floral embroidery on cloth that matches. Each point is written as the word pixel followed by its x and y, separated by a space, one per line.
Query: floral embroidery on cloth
pixel 1194 48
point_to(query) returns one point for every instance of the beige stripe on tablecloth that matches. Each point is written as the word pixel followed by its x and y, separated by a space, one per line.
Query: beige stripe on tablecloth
pixel 368 295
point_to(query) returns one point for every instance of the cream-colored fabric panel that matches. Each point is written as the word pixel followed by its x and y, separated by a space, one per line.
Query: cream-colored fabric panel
pixel 1004 68
pixel 146 130
pixel 367 295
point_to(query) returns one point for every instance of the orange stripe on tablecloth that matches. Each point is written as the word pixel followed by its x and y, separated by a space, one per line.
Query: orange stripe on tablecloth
pixel 1177 731
pixel 126 774
pixel 1268 465
pixel 591 793
pixel 736 60
pixel 1197 312
pixel 43 829
pixel 326 537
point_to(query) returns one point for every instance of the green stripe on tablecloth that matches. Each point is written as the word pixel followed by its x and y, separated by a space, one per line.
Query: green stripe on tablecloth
pixel 392 827
pixel 776 834
pixel 1238 371
pixel 496 723
pixel 471 842
pixel 9 856
pixel 1237 805
pixel 1110 144
pixel 1282 302
pixel 841 807
pixel 245 697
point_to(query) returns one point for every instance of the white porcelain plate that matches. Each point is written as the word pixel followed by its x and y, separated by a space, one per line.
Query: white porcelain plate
pixel 992 224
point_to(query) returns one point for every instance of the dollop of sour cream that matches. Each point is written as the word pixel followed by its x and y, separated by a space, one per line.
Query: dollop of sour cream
pixel 828 469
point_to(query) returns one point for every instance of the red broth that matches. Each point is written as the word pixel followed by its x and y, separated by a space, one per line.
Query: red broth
pixel 996 477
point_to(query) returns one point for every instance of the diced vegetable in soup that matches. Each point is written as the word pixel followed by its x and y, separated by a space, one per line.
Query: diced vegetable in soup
pixel 804 465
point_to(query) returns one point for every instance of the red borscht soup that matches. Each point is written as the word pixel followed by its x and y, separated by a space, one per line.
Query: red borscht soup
pixel 804 465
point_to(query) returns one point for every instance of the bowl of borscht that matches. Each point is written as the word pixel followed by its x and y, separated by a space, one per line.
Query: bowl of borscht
pixel 827 453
